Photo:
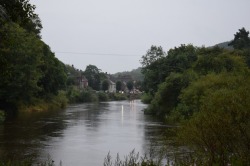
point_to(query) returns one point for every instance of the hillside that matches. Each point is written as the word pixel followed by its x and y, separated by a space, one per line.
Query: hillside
pixel 224 45
pixel 135 74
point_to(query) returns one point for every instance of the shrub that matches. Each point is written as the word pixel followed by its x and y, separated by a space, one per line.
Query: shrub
pixel 146 98
pixel 102 96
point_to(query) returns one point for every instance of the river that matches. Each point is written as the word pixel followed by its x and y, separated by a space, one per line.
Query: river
pixel 82 134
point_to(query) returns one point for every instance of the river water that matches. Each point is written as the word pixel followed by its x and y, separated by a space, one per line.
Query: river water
pixel 81 134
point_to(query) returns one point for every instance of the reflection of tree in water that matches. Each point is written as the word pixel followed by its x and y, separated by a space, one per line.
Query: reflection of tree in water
pixel 22 137
pixel 159 139
pixel 90 114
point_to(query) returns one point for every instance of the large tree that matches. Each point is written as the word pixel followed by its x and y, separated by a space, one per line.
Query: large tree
pixel 241 39
pixel 130 85
pixel 22 13
pixel 152 63
pixel 118 86
pixel 54 75
pixel 20 58
pixel 156 66
pixel 92 73
pixel 105 85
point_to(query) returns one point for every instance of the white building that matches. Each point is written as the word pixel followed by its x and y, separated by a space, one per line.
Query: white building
pixel 112 87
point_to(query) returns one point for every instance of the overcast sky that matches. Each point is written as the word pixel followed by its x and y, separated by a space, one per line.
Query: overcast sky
pixel 114 34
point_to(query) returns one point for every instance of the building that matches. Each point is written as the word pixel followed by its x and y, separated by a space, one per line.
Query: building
pixel 82 82
pixel 112 87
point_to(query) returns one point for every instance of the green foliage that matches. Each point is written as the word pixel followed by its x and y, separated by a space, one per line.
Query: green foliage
pixel 220 130
pixel 60 100
pixel 54 77
pixel 102 96
pixel 92 73
pixel 181 58
pixel 105 85
pixel 76 96
pixel 134 74
pixel 152 55
pixel 120 96
pixel 117 96
pixel 146 98
pixel 22 13
pixel 177 60
pixel 118 86
pixel 88 96
pixel 29 70
pixel 206 90
pixel 130 85
pixel 72 75
pixel 241 40
pixel 191 97
pixel 153 64
pixel 73 94
pixel 216 60
pixel 132 159
pixel 167 95
pixel 20 57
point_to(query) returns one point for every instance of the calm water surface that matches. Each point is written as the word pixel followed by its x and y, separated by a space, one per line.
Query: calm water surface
pixel 81 134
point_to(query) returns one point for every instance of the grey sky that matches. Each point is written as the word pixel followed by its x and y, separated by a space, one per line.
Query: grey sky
pixel 130 27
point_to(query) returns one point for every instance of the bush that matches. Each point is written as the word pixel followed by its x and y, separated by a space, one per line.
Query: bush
pixel 117 96
pixel 73 94
pixel 146 98
pixel 219 129
pixel 102 96
pixel 60 100
pixel 88 96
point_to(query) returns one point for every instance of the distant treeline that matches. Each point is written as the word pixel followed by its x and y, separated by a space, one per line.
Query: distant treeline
pixel 207 92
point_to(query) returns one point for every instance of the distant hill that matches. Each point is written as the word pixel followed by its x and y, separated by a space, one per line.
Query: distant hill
pixel 134 74
pixel 224 45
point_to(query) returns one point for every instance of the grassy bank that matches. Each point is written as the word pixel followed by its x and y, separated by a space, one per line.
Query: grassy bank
pixel 54 102
pixel 75 95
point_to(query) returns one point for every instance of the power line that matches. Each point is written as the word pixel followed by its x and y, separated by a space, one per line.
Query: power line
pixel 98 54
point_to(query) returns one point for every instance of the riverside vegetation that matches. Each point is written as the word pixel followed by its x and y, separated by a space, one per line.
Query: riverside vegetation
pixel 32 78
pixel 203 90
pixel 206 92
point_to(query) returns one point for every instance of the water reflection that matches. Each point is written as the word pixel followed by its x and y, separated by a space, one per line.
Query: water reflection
pixel 80 135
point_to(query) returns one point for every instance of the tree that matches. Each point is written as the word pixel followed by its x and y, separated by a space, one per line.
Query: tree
pixel 118 86
pixel 105 85
pixel 92 73
pixel 54 75
pixel 220 128
pixel 157 68
pixel 167 96
pixel 152 70
pixel 130 85
pixel 152 55
pixel 22 13
pixel 20 58
pixel 241 39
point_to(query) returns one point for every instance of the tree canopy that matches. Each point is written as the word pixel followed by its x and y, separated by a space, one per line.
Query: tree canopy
pixel 241 39
pixel 206 92
pixel 23 13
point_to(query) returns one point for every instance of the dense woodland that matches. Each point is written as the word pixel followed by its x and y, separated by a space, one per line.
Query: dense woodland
pixel 30 72
pixel 205 91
